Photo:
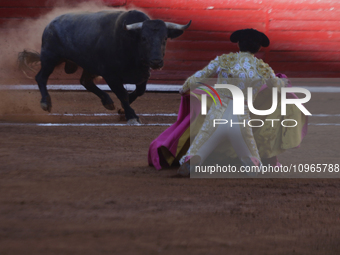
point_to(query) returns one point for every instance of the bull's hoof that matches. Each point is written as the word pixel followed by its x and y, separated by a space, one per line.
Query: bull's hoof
pixel 132 122
pixel 121 111
pixel 110 106
pixel 46 105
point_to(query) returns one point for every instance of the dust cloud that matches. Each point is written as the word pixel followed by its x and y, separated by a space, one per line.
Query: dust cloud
pixel 17 36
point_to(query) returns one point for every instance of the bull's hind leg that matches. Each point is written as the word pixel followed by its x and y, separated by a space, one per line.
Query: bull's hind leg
pixel 47 67
pixel 87 81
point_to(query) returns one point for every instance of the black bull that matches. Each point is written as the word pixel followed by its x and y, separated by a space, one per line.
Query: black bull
pixel 120 46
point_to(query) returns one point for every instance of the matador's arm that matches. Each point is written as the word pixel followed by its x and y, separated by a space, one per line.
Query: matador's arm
pixel 209 71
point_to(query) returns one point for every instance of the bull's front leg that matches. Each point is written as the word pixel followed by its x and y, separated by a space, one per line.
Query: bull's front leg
pixel 123 96
pixel 139 91
pixel 87 81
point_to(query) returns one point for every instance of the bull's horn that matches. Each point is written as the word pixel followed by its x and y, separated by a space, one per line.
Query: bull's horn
pixel 133 26
pixel 177 26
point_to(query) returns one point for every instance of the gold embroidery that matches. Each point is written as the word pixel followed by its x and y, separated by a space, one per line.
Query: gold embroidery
pixel 228 60
pixel 264 69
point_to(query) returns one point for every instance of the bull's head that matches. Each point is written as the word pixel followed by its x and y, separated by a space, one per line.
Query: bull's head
pixel 153 35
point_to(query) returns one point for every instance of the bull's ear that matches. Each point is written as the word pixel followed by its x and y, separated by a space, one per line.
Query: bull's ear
pixel 173 33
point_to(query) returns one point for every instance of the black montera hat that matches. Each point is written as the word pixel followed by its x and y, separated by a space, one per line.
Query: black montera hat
pixel 250 34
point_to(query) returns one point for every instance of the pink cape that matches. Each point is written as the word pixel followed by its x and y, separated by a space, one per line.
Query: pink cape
pixel 169 138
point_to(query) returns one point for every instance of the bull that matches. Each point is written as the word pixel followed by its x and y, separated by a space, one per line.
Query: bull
pixel 120 46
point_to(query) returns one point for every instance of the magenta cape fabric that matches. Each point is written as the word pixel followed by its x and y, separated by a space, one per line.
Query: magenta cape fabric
pixel 170 137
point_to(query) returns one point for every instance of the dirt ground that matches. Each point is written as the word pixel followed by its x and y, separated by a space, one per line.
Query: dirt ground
pixel 89 190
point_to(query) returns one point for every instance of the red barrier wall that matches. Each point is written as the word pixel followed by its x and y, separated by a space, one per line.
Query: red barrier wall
pixel 304 34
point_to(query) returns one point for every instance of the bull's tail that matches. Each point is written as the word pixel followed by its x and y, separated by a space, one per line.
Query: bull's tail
pixel 26 58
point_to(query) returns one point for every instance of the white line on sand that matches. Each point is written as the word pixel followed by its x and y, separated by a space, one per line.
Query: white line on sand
pixel 140 114
pixel 322 89
pixel 325 115
pixel 82 124
pixel 150 114
pixel 149 88
pixel 96 114
pixel 324 124
pixel 129 87
pixel 116 124
pixel 111 114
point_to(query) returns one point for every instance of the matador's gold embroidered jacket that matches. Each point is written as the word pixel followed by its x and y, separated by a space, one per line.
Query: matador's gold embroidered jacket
pixel 242 69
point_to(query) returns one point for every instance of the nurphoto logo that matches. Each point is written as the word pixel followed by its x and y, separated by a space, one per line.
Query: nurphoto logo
pixel 238 102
